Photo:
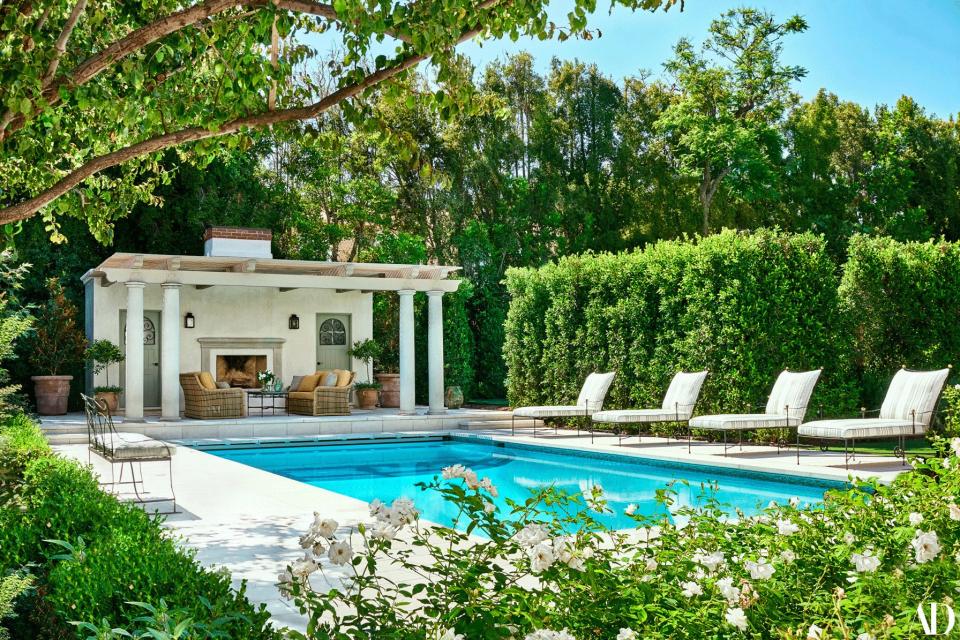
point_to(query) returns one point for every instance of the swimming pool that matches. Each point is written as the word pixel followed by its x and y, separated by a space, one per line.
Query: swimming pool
pixel 388 470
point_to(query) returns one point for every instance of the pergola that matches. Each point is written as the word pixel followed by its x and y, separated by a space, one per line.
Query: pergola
pixel 173 272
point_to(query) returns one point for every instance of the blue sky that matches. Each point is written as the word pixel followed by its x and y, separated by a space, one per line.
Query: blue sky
pixel 868 51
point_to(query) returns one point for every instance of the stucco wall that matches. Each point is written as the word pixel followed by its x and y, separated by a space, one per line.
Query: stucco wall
pixel 242 312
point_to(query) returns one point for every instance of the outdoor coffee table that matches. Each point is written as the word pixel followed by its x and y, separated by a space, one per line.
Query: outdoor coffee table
pixel 263 395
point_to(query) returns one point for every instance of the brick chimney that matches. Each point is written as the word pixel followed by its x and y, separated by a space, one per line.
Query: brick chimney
pixel 237 242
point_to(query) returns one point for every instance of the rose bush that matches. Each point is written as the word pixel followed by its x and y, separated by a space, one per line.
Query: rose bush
pixel 856 566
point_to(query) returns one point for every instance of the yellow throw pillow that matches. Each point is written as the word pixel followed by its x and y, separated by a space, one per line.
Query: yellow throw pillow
pixel 309 383
pixel 206 380
pixel 343 377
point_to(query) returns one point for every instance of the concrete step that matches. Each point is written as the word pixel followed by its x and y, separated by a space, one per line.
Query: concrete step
pixel 66 438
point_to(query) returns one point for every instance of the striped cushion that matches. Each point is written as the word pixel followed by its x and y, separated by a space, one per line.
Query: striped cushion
pixel 555 411
pixel 733 421
pixel 792 389
pixel 683 393
pixel 637 415
pixel 856 428
pixel 126 445
pixel 913 391
pixel 595 390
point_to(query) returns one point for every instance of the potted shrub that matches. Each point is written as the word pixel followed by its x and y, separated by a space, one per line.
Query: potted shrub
pixel 367 392
pixel 59 344
pixel 101 354
pixel 389 378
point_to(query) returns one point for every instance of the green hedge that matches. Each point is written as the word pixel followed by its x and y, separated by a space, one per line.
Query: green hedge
pixel 903 299
pixel 127 555
pixel 744 306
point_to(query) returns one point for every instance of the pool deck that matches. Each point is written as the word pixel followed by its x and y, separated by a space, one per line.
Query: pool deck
pixel 248 520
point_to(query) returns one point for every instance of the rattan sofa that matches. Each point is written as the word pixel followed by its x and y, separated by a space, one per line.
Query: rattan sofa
pixel 322 401
pixel 203 403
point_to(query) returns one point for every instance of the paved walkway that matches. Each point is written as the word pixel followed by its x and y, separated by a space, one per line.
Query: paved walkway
pixel 249 520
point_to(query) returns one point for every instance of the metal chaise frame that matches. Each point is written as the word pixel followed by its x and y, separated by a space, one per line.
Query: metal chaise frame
pixel 103 437
pixel 850 444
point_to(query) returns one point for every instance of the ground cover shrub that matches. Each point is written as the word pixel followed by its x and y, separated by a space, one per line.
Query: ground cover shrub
pixel 903 301
pixel 743 305
pixel 109 553
pixel 860 565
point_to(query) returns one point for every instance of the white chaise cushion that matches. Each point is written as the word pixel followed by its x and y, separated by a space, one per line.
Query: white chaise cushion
pixel 594 391
pixel 636 415
pixel 682 394
pixel 859 428
pixel 734 421
pixel 552 411
pixel 127 445
pixel 792 389
pixel 911 391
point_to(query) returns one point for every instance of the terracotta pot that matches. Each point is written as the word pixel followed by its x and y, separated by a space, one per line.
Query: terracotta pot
pixel 52 394
pixel 366 398
pixel 453 398
pixel 109 398
pixel 389 389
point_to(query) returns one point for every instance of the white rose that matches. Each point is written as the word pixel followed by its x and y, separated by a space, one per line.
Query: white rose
pixel 926 546
pixel 865 562
pixel 450 634
pixel 340 553
pixel 627 634
pixel 737 618
pixel 759 570
pixel 326 527
pixel 691 589
pixel 541 557
pixel 730 593
pixel 788 556
pixel 787 528
pixel 814 632
pixel 954 511
pixel 915 518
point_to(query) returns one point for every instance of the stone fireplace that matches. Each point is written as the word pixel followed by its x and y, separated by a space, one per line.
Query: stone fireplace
pixel 236 361
pixel 240 370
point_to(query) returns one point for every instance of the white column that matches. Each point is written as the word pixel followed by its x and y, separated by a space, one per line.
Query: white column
pixel 407 368
pixel 435 350
pixel 133 365
pixel 170 352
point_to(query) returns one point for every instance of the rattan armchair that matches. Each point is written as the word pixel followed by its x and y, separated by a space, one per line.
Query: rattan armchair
pixel 322 401
pixel 203 403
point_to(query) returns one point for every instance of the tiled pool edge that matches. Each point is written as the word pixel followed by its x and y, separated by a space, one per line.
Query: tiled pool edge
pixel 827 477
pixel 805 475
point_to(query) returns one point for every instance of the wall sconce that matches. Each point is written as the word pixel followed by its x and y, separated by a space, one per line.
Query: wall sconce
pixel 189 321
pixel 294 321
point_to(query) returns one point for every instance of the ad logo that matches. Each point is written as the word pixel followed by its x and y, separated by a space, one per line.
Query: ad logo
pixel 931 624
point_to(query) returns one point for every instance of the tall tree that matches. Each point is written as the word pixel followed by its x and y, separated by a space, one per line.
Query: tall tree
pixel 733 92
pixel 87 87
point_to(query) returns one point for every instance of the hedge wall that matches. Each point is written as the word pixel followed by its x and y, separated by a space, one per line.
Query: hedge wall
pixel 904 303
pixel 744 306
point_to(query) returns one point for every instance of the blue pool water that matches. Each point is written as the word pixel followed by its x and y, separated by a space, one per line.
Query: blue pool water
pixel 391 470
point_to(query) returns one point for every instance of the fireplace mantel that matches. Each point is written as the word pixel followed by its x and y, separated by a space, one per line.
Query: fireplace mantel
pixel 274 345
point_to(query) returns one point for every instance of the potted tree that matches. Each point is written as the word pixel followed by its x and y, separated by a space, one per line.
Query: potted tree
pixel 59 344
pixel 101 354
pixel 367 392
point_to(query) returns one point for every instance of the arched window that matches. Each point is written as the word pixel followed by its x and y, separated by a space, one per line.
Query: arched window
pixel 149 332
pixel 332 332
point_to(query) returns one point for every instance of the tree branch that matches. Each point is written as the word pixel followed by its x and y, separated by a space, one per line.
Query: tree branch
pixel 148 34
pixel 61 45
pixel 28 208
